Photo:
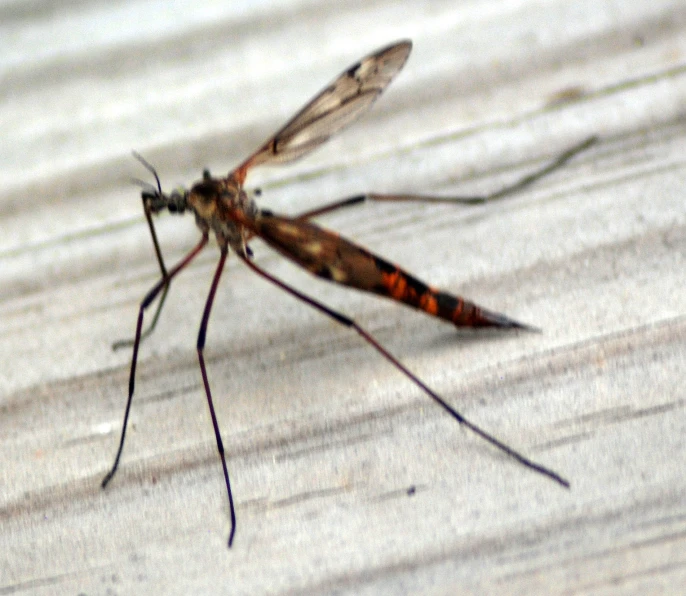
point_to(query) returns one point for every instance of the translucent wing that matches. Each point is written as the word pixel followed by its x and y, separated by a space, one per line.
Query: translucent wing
pixel 332 257
pixel 335 107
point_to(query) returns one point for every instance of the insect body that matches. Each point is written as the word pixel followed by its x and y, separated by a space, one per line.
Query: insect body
pixel 222 207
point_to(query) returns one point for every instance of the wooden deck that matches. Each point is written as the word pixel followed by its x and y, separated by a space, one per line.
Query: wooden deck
pixel 325 439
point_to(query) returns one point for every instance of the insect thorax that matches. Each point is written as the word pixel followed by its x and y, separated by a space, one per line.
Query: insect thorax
pixel 214 200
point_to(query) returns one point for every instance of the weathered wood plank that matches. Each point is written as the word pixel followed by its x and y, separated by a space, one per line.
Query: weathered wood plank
pixel 323 438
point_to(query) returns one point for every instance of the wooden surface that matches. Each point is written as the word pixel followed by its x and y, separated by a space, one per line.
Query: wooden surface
pixel 323 437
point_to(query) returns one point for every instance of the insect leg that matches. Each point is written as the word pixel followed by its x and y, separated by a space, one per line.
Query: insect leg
pixel 520 184
pixel 202 333
pixel 347 322
pixel 124 343
pixel 150 296
pixel 146 196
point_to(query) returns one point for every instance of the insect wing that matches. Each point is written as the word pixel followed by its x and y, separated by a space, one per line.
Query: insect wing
pixel 334 108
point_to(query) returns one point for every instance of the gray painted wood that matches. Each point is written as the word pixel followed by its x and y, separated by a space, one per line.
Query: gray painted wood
pixel 323 437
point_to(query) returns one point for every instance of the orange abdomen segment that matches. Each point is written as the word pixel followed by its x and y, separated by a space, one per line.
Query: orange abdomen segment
pixel 401 286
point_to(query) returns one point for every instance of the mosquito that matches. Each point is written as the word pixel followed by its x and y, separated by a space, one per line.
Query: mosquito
pixel 222 207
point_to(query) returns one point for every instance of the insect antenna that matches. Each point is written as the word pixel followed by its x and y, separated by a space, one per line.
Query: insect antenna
pixel 148 166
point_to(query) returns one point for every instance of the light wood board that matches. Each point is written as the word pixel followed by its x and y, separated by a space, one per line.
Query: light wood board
pixel 323 437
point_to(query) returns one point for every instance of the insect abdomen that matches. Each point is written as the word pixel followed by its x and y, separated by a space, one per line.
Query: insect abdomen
pixel 336 259
pixel 401 286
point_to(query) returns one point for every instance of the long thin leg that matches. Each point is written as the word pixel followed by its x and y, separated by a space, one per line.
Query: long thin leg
pixel 520 184
pixel 148 197
pixel 166 279
pixel 201 346
pixel 150 296
pixel 347 322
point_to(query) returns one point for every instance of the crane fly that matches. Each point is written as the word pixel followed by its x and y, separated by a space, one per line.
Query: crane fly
pixel 222 207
